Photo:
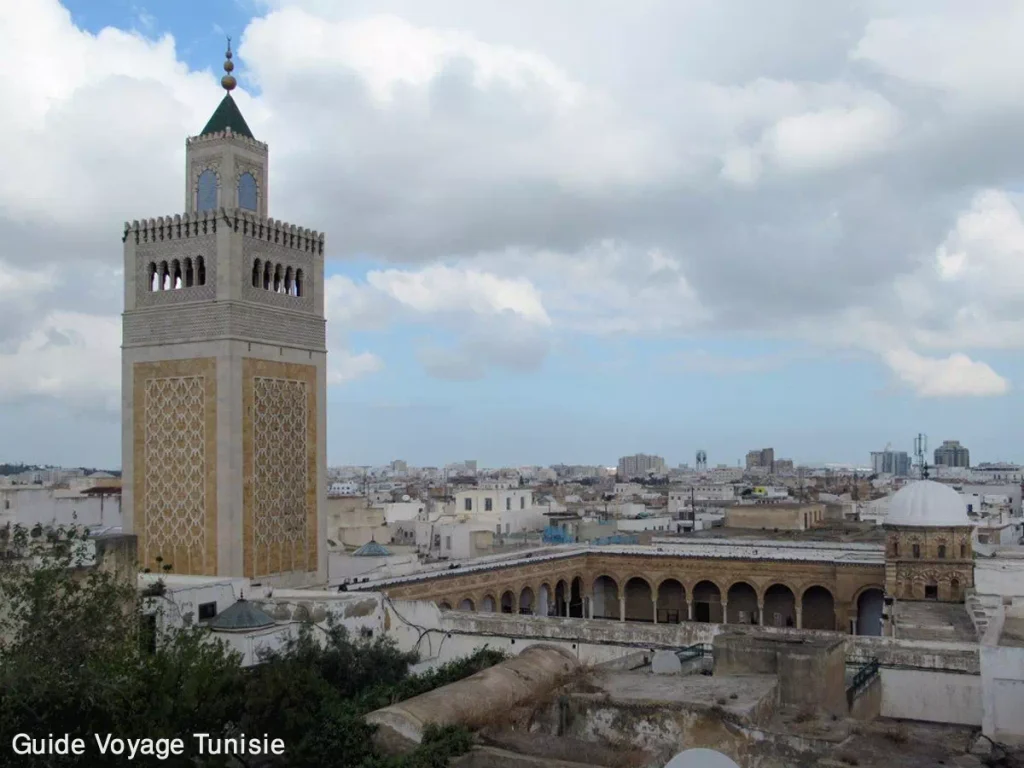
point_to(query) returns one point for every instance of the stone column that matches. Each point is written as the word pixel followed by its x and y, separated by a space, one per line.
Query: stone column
pixel 689 609
pixel 654 601
pixel 725 611
pixel 588 607
pixel 564 608
pixel 760 612
pixel 799 616
pixel 622 608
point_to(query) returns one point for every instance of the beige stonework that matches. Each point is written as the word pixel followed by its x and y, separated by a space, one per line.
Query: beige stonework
pixel 649 576
pixel 175 464
pixel 279 458
pixel 919 558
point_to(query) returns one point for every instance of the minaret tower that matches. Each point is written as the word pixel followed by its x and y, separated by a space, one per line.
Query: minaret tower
pixel 224 373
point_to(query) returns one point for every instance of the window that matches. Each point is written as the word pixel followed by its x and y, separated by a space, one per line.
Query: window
pixel 942 551
pixel 917 551
pixel 469 504
pixel 207 611
pixel 448 543
pixel 206 191
pixel 508 528
pixel 508 503
pixel 7 503
pixel 257 274
pixel 963 550
pixel 522 502
pixel 931 592
pixel 247 192
pixel 488 504
pixel 497 529
pixel 896 549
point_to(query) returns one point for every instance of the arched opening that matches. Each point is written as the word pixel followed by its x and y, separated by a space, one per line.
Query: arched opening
pixel 561 599
pixel 206 191
pixel 707 602
pixel 526 599
pixel 257 271
pixel 288 278
pixel 176 274
pixel 200 271
pixel 487 606
pixel 508 602
pixel 466 605
pixel 671 602
pixel 165 276
pixel 278 279
pixel 190 273
pixel 639 600
pixel 154 277
pixel 869 612
pixel 268 275
pixel 954 589
pixel 742 599
pixel 247 194
pixel 544 606
pixel 298 283
pixel 606 598
pixel 818 609
pixel 779 606
pixel 576 599
pixel 444 605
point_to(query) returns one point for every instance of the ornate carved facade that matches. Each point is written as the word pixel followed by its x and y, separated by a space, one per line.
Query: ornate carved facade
pixel 924 563
pixel 175 461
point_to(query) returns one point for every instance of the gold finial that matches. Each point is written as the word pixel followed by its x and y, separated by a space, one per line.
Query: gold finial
pixel 228 81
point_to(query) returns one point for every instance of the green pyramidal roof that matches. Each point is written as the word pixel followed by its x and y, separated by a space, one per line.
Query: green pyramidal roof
pixel 227 115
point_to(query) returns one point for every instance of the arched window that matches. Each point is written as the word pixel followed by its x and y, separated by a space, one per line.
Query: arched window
pixel 942 551
pixel 268 273
pixel 165 276
pixel 206 191
pixel 190 273
pixel 175 274
pixel 154 279
pixel 963 551
pixel 200 271
pixel 896 549
pixel 256 274
pixel 247 191
pixel 954 588
pixel 288 281
pixel 277 279
pixel 917 551
pixel 298 282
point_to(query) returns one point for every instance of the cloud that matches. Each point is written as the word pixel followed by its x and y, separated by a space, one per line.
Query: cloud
pixel 344 366
pixel 953 376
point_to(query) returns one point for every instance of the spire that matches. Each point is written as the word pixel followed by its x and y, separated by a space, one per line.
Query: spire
pixel 228 81
pixel 227 114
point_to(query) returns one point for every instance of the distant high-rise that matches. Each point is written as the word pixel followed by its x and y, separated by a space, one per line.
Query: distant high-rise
pixel 890 463
pixel 763 458
pixel 952 454
pixel 641 464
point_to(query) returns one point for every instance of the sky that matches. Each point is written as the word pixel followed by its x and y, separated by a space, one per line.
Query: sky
pixel 556 232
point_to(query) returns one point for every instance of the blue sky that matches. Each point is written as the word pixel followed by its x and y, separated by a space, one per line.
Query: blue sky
pixel 535 260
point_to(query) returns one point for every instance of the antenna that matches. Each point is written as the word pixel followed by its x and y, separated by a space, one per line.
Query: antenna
pixel 920 449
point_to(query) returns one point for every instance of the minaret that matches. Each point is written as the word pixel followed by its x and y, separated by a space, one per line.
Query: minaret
pixel 224 373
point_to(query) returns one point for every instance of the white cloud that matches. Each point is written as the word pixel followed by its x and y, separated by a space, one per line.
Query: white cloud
pixel 344 366
pixel 953 376
pixel 831 138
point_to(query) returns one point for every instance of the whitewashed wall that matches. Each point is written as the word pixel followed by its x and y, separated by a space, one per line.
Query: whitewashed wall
pixel 937 697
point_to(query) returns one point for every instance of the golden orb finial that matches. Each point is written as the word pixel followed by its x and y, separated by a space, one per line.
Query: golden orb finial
pixel 228 82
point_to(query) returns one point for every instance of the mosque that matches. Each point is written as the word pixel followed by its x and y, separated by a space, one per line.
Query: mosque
pixel 224 476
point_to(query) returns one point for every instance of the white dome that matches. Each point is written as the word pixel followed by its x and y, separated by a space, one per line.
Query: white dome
pixel 701 758
pixel 927 503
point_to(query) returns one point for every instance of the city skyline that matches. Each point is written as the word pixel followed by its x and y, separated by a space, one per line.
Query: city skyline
pixel 761 246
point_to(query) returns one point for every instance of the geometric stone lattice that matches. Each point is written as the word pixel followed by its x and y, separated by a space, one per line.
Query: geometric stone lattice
pixel 175 466
pixel 280 474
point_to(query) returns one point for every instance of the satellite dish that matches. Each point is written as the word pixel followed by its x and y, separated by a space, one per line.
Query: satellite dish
pixel 406 497
pixel 701 758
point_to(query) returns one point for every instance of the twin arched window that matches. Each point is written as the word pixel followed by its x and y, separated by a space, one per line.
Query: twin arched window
pixel 277 278
pixel 175 274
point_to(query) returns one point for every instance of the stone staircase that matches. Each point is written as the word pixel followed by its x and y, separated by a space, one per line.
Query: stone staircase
pixel 981 609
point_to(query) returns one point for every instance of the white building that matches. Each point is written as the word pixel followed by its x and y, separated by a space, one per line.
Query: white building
pixel 346 488
pixel 29 505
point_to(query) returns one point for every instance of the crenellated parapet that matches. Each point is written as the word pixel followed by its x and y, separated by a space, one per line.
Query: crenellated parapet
pixel 196 142
pixel 184 226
